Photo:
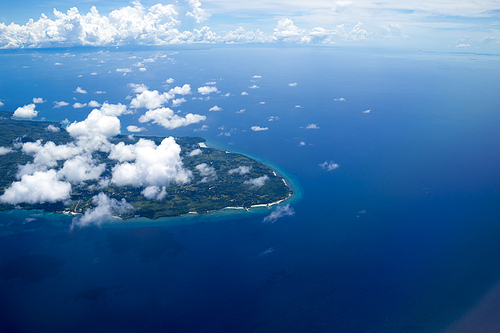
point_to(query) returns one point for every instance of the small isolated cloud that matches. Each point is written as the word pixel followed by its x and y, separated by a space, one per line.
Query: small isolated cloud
pixel 258 128
pixel 244 93
pixel 215 108
pixel 79 90
pixel 138 88
pixel 257 182
pixel 241 170
pixel 27 111
pixel 254 87
pixel 135 129
pixel 227 95
pixel 279 213
pixel 79 105
pixel 178 101
pixel 240 111
pixel 292 84
pixel 273 118
pixel 205 90
pixel 58 64
pixel 302 143
pixel 105 210
pixel 329 166
pixel 262 103
pixel 298 106
pixel 60 104
pixel 210 83
pixel 170 81
pixel 38 100
pixel 124 70
pixel 1 104
pixel 201 129
pixel 462 45
pixel 99 92
pixel 142 69
pixel 5 150
pixel 341 99
pixel 165 117
pixel 94 104
pixel 367 111
pixel 312 126
pixel 207 172
pixel 195 152
pixel 93 73
pixel 155 193
pixel 256 77
pixel 52 128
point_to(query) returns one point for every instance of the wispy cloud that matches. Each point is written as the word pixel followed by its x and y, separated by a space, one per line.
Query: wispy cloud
pixel 278 213
pixel 329 166
pixel 258 128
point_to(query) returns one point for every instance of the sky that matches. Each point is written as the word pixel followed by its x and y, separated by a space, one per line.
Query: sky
pixel 444 25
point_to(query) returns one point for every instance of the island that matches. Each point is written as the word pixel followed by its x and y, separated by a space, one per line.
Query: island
pixel 217 179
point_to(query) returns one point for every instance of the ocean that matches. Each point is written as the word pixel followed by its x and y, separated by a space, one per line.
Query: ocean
pixel 400 234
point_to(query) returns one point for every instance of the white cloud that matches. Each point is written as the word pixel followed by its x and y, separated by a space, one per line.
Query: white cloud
pixel 142 69
pixel 244 93
pixel 80 168
pixel 197 12
pixel 342 99
pixel 256 77
pixel 79 90
pixel 279 212
pixel 154 192
pixel 207 172
pixel 201 129
pixel 49 153
pixel 105 210
pixel 1 104
pixel 124 70
pixel 294 84
pixel 215 108
pixel 57 64
pixel 135 129
pixel 153 166
pixel 367 111
pixel 99 92
pixel 241 170
pixel 298 106
pixel 254 86
pixel 262 103
pixel 170 81
pixel 302 143
pixel 38 100
pixel 210 83
pixel 257 182
pixel 273 118
pixel 205 90
pixel 165 117
pixel 258 128
pixel 41 187
pixel 312 126
pixel 153 99
pixel 329 166
pixel 93 73
pixel 178 101
pixel 138 88
pixel 5 150
pixel 240 111
pixel 94 104
pixel 52 128
pixel 27 111
pixel 195 152
pixel 60 104
pixel 79 105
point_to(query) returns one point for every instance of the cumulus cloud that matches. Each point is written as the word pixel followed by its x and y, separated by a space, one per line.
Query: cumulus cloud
pixel 105 210
pixel 79 105
pixel 96 123
pixel 197 12
pixel 215 108
pixel 342 99
pixel 165 117
pixel 27 111
pixel 60 104
pixel 138 88
pixel 294 84
pixel 5 150
pixel 257 182
pixel 41 187
pixel 205 90
pixel 99 92
pixel 241 170
pixel 178 101
pixel 258 128
pixel 256 77
pixel 154 193
pixel 367 111
pixel 49 153
pixel 142 69
pixel 154 99
pixel 124 70
pixel 170 81
pixel 195 152
pixel 135 129
pixel 240 111
pixel 80 168
pixel 1 104
pixel 79 90
pixel 312 126
pixel 329 166
pixel 279 212
pixel 94 104
pixel 38 100
pixel 207 172
pixel 52 128
pixel 153 165
pixel 254 86
pixel 244 93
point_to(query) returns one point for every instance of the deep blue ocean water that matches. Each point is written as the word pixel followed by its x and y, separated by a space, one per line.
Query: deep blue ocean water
pixel 401 237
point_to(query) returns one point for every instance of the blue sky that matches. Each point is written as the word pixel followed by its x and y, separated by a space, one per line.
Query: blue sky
pixel 421 24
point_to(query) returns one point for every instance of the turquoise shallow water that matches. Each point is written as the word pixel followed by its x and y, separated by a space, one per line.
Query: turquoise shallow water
pixel 401 237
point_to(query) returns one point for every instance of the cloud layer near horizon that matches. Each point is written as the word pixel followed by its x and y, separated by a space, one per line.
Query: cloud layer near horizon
pixel 345 21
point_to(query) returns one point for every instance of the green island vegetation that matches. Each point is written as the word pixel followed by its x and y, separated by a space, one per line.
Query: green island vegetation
pixel 224 190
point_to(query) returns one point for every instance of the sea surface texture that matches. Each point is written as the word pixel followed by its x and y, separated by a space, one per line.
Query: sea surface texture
pixel 396 229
